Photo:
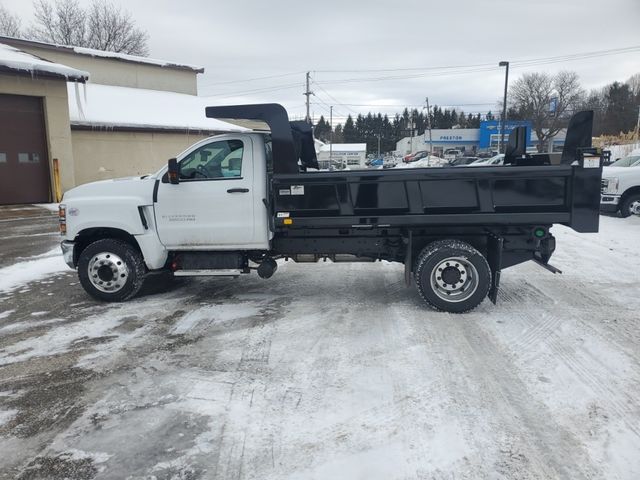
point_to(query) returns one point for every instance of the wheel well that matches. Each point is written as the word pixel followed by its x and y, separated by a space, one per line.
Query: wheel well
pixel 90 235
pixel 628 192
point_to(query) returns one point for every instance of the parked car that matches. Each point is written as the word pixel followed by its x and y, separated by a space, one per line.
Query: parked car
pixel 375 162
pixel 494 161
pixel 461 161
pixel 620 187
pixel 414 157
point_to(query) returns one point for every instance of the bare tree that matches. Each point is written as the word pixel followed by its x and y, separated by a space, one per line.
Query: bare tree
pixel 9 23
pixel 634 84
pixel 61 22
pixel 533 95
pixel 101 25
pixel 111 28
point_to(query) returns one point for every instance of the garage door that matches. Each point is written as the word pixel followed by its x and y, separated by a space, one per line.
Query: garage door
pixel 24 165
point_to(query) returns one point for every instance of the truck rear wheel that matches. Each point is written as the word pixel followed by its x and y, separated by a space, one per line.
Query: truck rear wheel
pixel 111 270
pixel 452 276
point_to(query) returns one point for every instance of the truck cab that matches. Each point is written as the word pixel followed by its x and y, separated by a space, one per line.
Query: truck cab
pixel 218 202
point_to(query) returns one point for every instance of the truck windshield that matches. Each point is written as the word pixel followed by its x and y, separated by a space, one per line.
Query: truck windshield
pixel 630 161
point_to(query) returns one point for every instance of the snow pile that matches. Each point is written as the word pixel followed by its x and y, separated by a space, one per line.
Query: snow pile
pixel 429 161
pixel 32 269
pixel 110 106
pixel 18 60
pixel 52 207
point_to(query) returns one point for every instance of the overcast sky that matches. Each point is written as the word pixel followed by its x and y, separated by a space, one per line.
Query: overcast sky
pixel 237 41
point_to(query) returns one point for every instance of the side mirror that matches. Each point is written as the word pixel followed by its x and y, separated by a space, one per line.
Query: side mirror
pixel 173 171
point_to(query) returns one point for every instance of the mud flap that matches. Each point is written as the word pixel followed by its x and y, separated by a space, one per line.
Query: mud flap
pixel 408 259
pixel 494 258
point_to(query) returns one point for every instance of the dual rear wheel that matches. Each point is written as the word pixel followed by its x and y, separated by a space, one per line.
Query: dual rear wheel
pixel 452 276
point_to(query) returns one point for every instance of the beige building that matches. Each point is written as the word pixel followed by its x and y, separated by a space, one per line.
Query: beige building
pixel 90 115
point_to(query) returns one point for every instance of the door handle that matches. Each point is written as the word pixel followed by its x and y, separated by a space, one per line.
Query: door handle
pixel 238 190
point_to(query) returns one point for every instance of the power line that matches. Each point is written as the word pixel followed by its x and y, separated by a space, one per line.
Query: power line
pixel 394 105
pixel 258 90
pixel 613 51
pixel 475 68
pixel 334 98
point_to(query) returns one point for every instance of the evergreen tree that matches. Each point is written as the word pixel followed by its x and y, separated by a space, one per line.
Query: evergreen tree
pixel 462 120
pixel 621 113
pixel 349 131
pixel 337 134
pixel 454 118
pixel 322 130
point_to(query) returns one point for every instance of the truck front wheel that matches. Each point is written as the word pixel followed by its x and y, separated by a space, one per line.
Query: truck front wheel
pixel 629 205
pixel 452 276
pixel 111 270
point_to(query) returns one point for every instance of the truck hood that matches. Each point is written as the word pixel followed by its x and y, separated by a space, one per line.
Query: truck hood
pixel 621 172
pixel 139 187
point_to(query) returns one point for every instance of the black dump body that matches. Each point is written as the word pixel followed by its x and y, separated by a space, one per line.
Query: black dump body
pixel 441 196
pixel 392 213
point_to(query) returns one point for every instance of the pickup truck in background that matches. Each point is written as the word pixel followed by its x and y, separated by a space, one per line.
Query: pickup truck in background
pixel 621 186
pixel 451 154
pixel 237 202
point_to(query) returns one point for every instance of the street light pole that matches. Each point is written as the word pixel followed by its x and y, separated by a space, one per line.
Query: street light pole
pixel 504 104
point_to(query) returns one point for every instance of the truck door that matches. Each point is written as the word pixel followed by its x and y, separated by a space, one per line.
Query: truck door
pixel 213 205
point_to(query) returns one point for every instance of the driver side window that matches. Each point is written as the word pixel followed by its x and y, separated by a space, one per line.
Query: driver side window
pixel 216 160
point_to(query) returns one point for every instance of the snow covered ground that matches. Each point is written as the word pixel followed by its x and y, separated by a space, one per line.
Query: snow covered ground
pixel 328 372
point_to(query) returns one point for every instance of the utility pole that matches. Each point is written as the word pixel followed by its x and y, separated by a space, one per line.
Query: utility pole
pixel 504 104
pixel 412 132
pixel 330 137
pixel 429 126
pixel 308 94
pixel 379 135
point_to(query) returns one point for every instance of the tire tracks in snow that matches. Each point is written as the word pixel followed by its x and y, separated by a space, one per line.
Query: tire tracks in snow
pixel 509 430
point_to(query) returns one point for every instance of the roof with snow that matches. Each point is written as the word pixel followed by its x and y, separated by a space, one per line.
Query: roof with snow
pixel 344 147
pixel 106 106
pixel 16 61
pixel 100 53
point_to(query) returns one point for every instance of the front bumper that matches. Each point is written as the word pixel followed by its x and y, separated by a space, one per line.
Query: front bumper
pixel 609 203
pixel 67 253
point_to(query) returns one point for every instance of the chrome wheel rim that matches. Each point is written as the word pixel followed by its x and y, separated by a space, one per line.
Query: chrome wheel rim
pixel 454 279
pixel 634 208
pixel 107 272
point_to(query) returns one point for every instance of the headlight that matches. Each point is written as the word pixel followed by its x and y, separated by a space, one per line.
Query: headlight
pixel 62 218
pixel 610 185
